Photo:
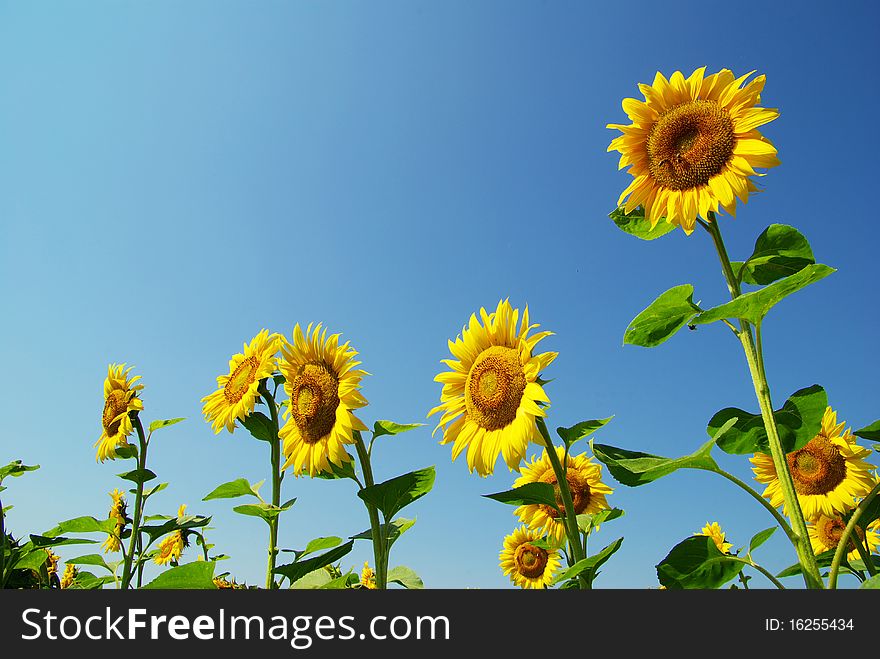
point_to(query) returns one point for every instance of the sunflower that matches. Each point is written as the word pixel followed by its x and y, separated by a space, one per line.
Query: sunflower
pixel 51 562
pixel 693 145
pixel 120 401
pixel 829 473
pixel 490 398
pixel 527 565
pixel 237 391
pixel 584 481
pixel 826 533
pixel 323 384
pixel 368 577
pixel 173 544
pixel 714 531
pixel 70 574
pixel 117 512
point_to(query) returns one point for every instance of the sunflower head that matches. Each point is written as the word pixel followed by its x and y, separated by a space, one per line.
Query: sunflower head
pixel 322 381
pixel 527 564
pixel 237 391
pixel 70 574
pixel 368 577
pixel 827 532
pixel 493 395
pixel 584 482
pixel 121 401
pixel 693 145
pixel 830 473
pixel 117 513
pixel 714 531
pixel 170 548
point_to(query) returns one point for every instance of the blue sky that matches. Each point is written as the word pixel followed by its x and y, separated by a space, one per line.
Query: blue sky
pixel 175 177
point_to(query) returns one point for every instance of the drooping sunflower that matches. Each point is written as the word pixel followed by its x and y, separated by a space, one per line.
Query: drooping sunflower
pixel 70 574
pixel 120 400
pixel 714 531
pixel 323 385
pixel 51 562
pixel 237 391
pixel 368 577
pixel 584 482
pixel 829 473
pixel 489 401
pixel 827 532
pixel 693 145
pixel 117 513
pixel 527 565
pixel 173 544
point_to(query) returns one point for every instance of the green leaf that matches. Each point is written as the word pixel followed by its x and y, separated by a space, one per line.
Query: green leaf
pixel 755 305
pixel 780 251
pixel 319 544
pixel 663 317
pixel 156 425
pixel 82 525
pixel 760 538
pixel 587 522
pixel 16 469
pixel 530 493
pixel 313 580
pixel 278 379
pixel 591 564
pixel 238 488
pixel 871 432
pixel 633 468
pixel 88 581
pixel 90 559
pixel 345 470
pixel 390 428
pixel 31 560
pixel 870 514
pixel 345 581
pixel 126 451
pixel 298 569
pixel 46 541
pixel 264 510
pixel 390 532
pixel 697 563
pixel 158 488
pixel 405 576
pixel 395 494
pixel 260 426
pixel 871 584
pixel 636 225
pixel 798 421
pixel 198 574
pixel 822 560
pixel 174 524
pixel 138 475
pixel 581 430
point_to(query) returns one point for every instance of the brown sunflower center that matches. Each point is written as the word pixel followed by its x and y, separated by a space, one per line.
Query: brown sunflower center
pixel 831 534
pixel 530 560
pixel 313 401
pixel 818 467
pixel 580 493
pixel 495 387
pixel 242 377
pixel 113 407
pixel 689 144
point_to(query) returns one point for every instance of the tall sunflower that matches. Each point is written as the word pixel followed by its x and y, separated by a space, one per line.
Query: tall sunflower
pixel 827 532
pixel 173 544
pixel 237 391
pixel 323 385
pixel 117 513
pixel 489 401
pixel 714 531
pixel 584 481
pixel 829 473
pixel 120 401
pixel 693 145
pixel 528 565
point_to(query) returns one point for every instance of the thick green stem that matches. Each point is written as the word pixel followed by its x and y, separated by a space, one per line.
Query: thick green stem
pixel 379 550
pixel 134 540
pixel 275 458
pixel 773 579
pixel 847 532
pixel 755 361
pixel 780 519
pixel 570 519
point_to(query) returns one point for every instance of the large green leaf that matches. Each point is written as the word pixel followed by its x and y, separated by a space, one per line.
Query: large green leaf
pixel 587 522
pixel 760 538
pixel 872 584
pixel 138 475
pixel 238 488
pixel 126 451
pixel 88 581
pixel 633 468
pixel 46 541
pixel 90 559
pixel 395 494
pixel 314 579
pixel 755 305
pixel 530 493
pixel 405 576
pixel 82 525
pixel 636 225
pixel 164 423
pixel 195 575
pixel 298 569
pixel 662 318
pixel 871 432
pixel 175 524
pixel 590 564
pixel 260 426
pixel 31 560
pixel 390 428
pixel 581 430
pixel 697 563
pixel 780 251
pixel 263 510
pixel 797 421
pixel 319 544
pixel 15 469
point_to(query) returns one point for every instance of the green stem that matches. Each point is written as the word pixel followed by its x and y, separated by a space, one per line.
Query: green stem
pixel 2 546
pixel 780 519
pixel 773 579
pixel 275 458
pixel 570 519
pixel 847 532
pixel 800 540
pixel 379 550
pixel 134 539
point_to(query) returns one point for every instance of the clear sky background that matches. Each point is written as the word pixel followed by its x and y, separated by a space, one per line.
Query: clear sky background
pixel 175 177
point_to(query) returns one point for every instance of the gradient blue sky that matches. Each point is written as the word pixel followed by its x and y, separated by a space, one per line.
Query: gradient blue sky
pixel 175 177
